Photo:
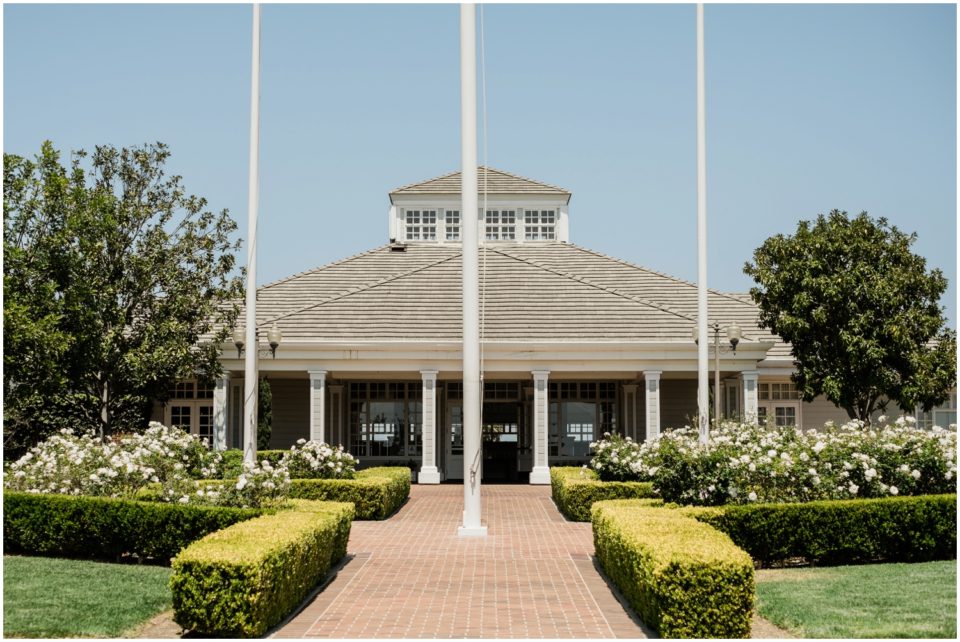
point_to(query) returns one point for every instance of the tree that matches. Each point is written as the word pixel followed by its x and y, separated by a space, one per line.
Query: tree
pixel 116 284
pixel 860 311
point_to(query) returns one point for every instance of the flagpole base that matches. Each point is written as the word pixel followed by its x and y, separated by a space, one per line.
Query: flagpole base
pixel 472 531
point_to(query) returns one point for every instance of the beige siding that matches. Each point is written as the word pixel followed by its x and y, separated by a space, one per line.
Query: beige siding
pixel 678 403
pixel 820 411
pixel 291 411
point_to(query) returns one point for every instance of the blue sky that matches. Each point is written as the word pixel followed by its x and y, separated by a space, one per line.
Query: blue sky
pixel 809 108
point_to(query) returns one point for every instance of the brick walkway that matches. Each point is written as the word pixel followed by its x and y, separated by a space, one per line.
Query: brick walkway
pixel 412 577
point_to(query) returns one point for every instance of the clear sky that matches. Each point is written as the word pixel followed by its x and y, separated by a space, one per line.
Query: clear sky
pixel 809 108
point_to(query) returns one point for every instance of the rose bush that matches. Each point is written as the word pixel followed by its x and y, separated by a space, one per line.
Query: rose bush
pixel 743 463
pixel 169 457
pixel 317 460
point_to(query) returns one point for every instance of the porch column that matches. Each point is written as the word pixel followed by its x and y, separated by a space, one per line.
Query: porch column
pixel 318 393
pixel 220 412
pixel 630 427
pixel 651 384
pixel 749 379
pixel 428 469
pixel 541 414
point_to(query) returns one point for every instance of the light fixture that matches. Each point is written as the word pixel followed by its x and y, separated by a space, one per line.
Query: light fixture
pixel 734 334
pixel 274 337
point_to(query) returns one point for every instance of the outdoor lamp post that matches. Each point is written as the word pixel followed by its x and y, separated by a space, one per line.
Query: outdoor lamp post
pixel 274 337
pixel 734 334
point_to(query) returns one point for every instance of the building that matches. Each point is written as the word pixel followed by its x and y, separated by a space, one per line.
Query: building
pixel 575 344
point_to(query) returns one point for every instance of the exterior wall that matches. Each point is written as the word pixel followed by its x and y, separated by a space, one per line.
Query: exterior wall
pixel 158 411
pixel 678 402
pixel 820 411
pixel 291 411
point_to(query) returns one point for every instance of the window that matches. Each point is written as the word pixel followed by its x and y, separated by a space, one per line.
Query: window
pixel 778 392
pixel 942 416
pixel 452 225
pixel 421 225
pixel 501 225
pixel 190 408
pixel 579 413
pixel 539 225
pixel 386 419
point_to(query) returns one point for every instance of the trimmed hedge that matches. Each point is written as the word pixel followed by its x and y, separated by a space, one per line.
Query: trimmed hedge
pixel 376 493
pixel 683 577
pixel 576 489
pixel 106 527
pixel 241 581
pixel 903 529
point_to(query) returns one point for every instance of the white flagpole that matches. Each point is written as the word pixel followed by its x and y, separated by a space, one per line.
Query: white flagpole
pixel 251 376
pixel 471 283
pixel 703 398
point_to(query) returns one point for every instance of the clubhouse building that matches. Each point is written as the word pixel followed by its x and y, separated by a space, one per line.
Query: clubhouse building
pixel 574 344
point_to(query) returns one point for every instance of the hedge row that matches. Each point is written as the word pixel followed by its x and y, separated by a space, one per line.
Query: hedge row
pixel 375 492
pixel 106 528
pixel 576 489
pixel 683 577
pixel 241 581
pixel 907 529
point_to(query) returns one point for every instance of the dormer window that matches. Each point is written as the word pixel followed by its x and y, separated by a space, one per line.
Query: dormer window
pixel 452 225
pixel 501 225
pixel 421 225
pixel 539 225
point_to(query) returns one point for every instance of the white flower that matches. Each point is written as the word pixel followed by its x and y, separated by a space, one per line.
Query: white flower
pixel 893 490
pixel 915 473
pixel 184 500
pixel 241 482
pixel 752 496
pixel 853 488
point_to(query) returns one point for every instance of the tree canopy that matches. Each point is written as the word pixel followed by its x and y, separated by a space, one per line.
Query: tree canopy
pixel 861 312
pixel 116 284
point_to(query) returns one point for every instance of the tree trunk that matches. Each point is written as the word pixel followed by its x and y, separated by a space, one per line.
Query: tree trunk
pixel 104 409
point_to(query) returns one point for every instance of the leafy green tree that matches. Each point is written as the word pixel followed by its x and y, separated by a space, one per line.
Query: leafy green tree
pixel 115 283
pixel 264 414
pixel 861 312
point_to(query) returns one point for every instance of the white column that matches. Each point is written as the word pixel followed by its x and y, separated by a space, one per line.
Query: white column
pixel 220 412
pixel 428 469
pixel 541 415
pixel 703 392
pixel 749 379
pixel 651 383
pixel 630 422
pixel 318 394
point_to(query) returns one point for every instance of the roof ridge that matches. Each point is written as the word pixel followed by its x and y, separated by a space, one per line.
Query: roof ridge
pixel 488 169
pixel 367 286
pixel 725 295
pixel 585 281
pixel 321 267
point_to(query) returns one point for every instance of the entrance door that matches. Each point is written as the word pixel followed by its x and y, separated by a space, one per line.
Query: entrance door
pixel 454 440
pixel 501 441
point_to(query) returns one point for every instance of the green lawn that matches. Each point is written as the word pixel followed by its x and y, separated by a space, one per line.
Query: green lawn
pixel 48 597
pixel 870 601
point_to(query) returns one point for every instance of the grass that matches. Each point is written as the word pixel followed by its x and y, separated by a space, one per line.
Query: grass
pixel 49 597
pixel 871 601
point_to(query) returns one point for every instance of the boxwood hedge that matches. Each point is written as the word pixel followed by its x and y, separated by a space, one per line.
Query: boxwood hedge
pixel 684 578
pixel 907 529
pixel 240 581
pixel 375 492
pixel 106 528
pixel 576 489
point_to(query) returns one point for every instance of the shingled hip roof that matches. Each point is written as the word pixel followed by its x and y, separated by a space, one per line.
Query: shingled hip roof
pixel 553 292
pixel 495 181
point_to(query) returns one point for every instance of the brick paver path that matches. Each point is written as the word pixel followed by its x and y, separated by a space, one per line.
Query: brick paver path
pixel 412 577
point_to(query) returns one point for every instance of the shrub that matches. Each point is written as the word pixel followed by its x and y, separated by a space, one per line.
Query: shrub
pixel 744 463
pixel 317 460
pixel 71 464
pixel 907 529
pixel 106 528
pixel 375 492
pixel 576 489
pixel 242 580
pixel 233 461
pixel 257 486
pixel 683 577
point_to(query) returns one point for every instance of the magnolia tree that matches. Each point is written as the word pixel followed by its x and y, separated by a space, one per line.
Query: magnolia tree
pixel 116 284
pixel 860 311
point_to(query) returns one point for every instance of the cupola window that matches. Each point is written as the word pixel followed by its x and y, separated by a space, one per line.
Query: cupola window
pixel 421 225
pixel 539 225
pixel 501 225
pixel 452 225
